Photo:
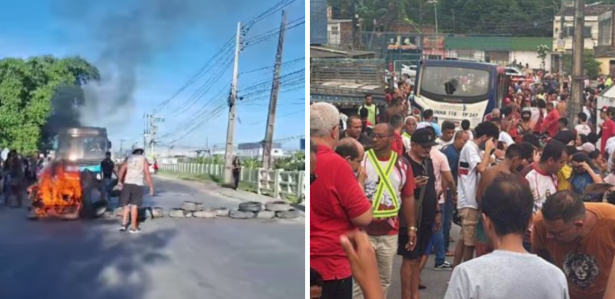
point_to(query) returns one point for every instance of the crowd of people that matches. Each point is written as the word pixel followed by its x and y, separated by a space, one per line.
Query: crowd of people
pixel 17 173
pixel 525 186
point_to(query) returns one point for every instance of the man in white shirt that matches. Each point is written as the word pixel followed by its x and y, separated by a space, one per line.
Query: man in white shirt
pixel 448 131
pixel 471 165
pixel 543 177
pixel 582 127
pixel 506 213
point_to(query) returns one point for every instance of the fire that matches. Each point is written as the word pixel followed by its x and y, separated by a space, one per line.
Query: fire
pixel 58 193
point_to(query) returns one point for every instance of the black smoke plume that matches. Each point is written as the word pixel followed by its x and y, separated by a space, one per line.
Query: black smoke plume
pixel 125 38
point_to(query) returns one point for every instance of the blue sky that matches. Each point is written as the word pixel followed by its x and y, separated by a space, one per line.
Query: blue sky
pixel 175 51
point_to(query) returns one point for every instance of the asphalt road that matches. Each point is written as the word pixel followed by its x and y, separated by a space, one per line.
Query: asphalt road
pixel 170 258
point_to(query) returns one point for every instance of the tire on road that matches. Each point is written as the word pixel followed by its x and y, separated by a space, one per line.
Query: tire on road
pixel 292 214
pixel 265 215
pixel 191 206
pixel 177 213
pixel 250 206
pixel 237 214
pixel 144 213
pixel 277 206
pixel 205 214
pixel 157 212
pixel 222 212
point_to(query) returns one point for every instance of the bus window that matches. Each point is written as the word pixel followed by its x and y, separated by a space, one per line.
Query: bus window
pixel 455 81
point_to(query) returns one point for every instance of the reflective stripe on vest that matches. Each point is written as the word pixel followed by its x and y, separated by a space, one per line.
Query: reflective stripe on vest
pixel 385 182
pixel 404 134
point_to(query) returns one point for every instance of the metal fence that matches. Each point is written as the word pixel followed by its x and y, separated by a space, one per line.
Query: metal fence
pixel 275 183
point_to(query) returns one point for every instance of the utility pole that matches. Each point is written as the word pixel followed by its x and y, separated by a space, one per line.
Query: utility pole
pixel 122 146
pixel 578 49
pixel 273 102
pixel 454 24
pixel 154 131
pixel 228 154
pixel 355 25
pixel 435 12
pixel 147 118
pixel 151 129
pixel 561 43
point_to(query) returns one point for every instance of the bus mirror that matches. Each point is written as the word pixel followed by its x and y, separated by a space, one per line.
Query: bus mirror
pixel 108 144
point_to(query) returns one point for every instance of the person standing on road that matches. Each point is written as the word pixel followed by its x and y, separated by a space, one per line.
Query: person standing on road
pixel 132 174
pixel 389 186
pixel 471 165
pixel 580 239
pixel 108 169
pixel 512 160
pixel 506 212
pixel 338 204
pixel 423 218
pixel 236 172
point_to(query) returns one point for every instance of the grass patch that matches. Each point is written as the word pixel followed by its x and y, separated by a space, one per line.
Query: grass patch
pixel 245 186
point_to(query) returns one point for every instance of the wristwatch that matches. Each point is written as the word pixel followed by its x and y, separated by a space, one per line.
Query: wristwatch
pixel 412 228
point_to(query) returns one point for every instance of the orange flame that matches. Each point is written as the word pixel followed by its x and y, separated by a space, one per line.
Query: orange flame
pixel 58 192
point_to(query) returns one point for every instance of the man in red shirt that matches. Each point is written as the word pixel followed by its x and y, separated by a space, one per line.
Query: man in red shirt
pixel 397 143
pixel 337 205
pixel 550 123
pixel 607 128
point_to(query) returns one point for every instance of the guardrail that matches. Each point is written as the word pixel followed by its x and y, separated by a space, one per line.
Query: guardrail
pixel 276 183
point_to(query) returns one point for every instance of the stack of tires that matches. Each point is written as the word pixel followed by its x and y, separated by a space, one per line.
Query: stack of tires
pixel 272 209
pixel 191 209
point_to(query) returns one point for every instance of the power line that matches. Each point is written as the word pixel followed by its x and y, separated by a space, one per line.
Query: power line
pixel 224 50
pixel 273 33
pixel 270 11
pixel 204 88
pixel 280 116
pixel 271 67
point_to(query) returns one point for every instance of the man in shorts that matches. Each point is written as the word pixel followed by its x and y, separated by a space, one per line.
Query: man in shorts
pixel 132 174
pixel 473 161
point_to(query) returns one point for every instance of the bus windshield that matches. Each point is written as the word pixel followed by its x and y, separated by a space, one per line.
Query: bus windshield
pixel 82 147
pixel 457 82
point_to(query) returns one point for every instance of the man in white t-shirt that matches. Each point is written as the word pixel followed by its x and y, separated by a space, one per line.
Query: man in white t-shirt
pixel 506 212
pixel 582 127
pixel 471 165
pixel 543 177
pixel 448 131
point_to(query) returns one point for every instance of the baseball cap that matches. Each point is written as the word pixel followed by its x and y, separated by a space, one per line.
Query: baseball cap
pixel 605 109
pixel 587 148
pixel 424 137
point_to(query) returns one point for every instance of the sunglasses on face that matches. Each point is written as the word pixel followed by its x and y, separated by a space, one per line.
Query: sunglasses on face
pixel 313 178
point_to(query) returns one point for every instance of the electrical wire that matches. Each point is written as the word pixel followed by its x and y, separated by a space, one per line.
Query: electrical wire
pixel 269 35
pixel 224 50
pixel 204 88
pixel 270 11
pixel 285 63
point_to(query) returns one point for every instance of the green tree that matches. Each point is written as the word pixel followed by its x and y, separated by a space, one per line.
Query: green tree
pixel 543 51
pixel 515 17
pixel 33 97
pixel 591 66
pixel 295 162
